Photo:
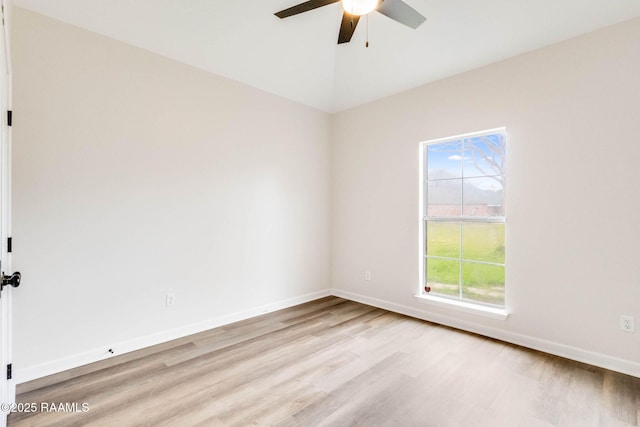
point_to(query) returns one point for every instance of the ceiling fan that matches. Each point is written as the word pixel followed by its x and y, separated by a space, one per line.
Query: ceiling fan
pixel 353 9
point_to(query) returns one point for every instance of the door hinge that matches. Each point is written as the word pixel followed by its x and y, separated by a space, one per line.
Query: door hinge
pixel 9 117
pixel 9 371
pixel 9 244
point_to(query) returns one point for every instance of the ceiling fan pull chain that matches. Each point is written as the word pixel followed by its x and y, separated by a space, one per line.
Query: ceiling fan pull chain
pixel 367 43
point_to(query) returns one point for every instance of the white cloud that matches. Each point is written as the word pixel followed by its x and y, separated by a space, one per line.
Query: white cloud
pixel 457 157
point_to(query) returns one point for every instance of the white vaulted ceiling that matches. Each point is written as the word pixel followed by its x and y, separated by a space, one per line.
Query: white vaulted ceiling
pixel 298 57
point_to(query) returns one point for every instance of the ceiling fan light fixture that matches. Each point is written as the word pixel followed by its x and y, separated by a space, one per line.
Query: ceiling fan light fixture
pixel 359 7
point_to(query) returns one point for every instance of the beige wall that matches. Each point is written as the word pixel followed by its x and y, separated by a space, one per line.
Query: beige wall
pixel 135 176
pixel 571 112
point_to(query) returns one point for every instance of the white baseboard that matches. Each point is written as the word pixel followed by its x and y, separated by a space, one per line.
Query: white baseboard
pixel 581 355
pixel 574 353
pixel 80 359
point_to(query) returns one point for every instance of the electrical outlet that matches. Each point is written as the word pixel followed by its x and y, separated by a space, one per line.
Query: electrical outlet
pixel 171 299
pixel 627 323
pixel 367 275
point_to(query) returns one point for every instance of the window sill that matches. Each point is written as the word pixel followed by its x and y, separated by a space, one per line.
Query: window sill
pixel 480 310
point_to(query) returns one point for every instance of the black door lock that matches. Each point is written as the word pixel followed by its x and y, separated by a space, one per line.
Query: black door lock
pixel 13 280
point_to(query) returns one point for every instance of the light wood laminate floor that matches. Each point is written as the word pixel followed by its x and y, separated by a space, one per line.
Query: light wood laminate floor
pixel 333 362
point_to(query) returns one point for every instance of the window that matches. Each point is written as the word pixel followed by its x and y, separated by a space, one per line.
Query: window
pixel 463 229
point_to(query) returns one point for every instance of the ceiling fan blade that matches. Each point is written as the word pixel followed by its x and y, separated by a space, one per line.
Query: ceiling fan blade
pixel 401 12
pixel 347 27
pixel 304 7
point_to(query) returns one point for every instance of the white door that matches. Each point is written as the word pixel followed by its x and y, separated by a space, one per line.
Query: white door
pixel 7 386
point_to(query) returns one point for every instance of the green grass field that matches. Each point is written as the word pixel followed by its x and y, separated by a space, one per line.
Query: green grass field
pixel 482 242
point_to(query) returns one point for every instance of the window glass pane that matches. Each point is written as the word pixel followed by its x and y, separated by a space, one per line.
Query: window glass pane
pixel 443 276
pixel 483 242
pixel 443 239
pixel 484 155
pixel 444 160
pixel 444 198
pixel 483 283
pixel 483 197
pixel 465 177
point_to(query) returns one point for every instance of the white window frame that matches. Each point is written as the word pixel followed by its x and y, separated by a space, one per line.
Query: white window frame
pixel 479 308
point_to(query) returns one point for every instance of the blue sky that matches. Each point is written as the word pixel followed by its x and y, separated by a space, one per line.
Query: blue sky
pixel 449 160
